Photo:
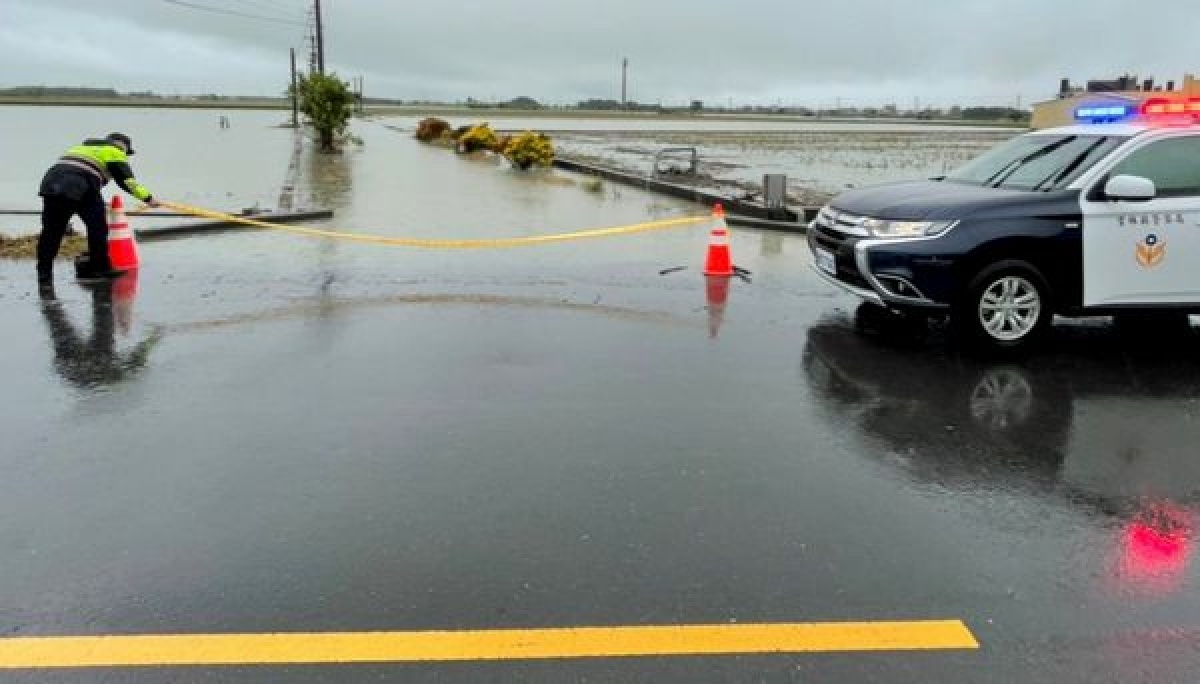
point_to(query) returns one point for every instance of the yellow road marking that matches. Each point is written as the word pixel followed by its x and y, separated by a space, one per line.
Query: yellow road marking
pixel 499 644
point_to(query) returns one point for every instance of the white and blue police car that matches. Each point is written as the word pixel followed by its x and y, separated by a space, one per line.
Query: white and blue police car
pixel 1098 218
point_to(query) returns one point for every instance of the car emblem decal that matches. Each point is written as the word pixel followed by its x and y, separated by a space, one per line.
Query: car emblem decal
pixel 1151 251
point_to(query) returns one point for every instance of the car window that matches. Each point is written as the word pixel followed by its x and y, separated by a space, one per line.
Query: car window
pixel 1173 164
pixel 1036 162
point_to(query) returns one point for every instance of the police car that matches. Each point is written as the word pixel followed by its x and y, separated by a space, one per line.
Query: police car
pixel 1098 218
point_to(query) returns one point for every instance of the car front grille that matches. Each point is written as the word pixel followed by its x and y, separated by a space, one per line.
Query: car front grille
pixel 842 247
pixel 842 222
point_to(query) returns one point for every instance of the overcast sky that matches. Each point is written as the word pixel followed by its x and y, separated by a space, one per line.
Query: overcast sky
pixel 794 52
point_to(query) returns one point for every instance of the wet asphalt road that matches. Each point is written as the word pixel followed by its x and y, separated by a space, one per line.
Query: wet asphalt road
pixel 279 435
pixel 430 455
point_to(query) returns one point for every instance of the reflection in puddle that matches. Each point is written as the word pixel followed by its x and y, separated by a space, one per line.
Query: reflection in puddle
pixel 327 180
pixel 94 360
pixel 1096 428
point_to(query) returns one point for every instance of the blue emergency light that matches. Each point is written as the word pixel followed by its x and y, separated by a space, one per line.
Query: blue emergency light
pixel 1107 113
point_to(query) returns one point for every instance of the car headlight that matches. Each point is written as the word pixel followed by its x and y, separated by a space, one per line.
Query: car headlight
pixel 903 229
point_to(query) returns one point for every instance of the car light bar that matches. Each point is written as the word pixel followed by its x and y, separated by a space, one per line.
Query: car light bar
pixel 1104 113
pixel 1161 106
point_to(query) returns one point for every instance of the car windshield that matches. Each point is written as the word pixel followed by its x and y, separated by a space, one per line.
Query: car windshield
pixel 1036 162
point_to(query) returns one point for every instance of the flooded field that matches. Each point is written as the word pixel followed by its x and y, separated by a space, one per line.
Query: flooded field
pixel 819 158
pixel 181 154
pixel 185 156
pixel 817 164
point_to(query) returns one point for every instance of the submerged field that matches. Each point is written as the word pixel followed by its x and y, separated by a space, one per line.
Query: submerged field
pixel 818 164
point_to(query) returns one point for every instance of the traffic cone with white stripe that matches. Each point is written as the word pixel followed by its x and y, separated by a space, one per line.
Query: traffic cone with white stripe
pixel 719 261
pixel 122 248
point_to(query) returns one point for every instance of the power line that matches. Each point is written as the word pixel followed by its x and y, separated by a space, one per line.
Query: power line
pixel 281 6
pixel 263 6
pixel 235 13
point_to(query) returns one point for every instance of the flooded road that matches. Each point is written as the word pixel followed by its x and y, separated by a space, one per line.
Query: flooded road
pixel 268 434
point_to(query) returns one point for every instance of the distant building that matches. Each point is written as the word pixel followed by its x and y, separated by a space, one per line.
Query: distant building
pixel 1061 110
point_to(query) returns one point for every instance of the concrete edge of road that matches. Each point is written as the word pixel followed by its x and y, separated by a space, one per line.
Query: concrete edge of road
pixel 216 226
pixel 739 212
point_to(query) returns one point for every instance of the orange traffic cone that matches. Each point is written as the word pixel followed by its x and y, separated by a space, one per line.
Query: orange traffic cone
pixel 719 261
pixel 716 293
pixel 122 248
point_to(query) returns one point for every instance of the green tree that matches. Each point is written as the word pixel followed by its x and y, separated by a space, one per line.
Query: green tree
pixel 327 101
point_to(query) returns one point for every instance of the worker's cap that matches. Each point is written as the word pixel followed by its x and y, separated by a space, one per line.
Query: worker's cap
pixel 123 139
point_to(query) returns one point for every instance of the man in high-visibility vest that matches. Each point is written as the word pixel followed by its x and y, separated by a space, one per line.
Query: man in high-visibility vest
pixel 72 187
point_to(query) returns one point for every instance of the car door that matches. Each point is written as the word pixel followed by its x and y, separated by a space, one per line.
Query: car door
pixel 1145 252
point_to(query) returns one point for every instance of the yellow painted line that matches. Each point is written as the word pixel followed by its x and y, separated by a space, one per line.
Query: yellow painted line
pixel 500 644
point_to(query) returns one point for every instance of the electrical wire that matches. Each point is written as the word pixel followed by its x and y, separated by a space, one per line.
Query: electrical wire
pixel 234 13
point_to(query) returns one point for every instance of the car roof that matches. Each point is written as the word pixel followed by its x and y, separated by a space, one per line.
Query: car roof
pixel 1125 130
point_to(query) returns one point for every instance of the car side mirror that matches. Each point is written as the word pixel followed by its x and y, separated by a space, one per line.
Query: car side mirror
pixel 1130 189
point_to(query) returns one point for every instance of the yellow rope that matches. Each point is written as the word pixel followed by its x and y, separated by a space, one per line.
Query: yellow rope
pixel 441 244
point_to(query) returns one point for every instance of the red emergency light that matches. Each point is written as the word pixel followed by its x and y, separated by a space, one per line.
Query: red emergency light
pixel 1161 106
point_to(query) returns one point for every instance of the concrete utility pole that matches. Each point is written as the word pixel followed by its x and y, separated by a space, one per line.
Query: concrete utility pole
pixel 295 94
pixel 624 81
pixel 320 38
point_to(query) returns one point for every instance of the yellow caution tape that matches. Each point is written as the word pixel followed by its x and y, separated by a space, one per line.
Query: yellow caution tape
pixel 441 244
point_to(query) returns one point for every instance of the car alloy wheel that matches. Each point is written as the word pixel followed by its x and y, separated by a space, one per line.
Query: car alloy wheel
pixel 1010 308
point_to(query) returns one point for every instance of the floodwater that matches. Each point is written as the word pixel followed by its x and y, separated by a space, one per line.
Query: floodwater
pixel 181 154
pixel 817 164
pixel 820 158
pixel 185 156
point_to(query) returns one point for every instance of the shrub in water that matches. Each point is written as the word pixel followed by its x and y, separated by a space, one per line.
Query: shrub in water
pixel 479 137
pixel 431 129
pixel 530 149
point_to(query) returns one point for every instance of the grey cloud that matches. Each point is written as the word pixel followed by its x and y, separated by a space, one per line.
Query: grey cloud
pixel 564 50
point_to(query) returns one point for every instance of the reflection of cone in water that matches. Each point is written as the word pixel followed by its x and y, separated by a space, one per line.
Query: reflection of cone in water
pixel 122 248
pixel 717 292
pixel 719 261
pixel 124 292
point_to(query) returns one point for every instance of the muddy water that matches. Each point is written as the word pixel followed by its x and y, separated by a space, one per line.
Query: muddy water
pixel 181 154
pixel 819 158
pixel 184 155
pixel 816 163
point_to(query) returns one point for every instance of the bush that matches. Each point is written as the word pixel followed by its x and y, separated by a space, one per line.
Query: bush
pixel 431 129
pixel 501 143
pixel 478 137
pixel 326 100
pixel 530 149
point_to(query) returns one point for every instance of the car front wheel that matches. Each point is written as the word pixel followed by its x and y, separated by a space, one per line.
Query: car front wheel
pixel 1006 307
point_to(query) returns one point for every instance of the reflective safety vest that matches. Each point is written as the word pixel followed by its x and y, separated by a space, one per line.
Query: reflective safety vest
pixel 106 161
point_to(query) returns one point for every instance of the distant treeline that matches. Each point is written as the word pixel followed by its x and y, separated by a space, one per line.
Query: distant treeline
pixel 527 103
pixel 49 91
pixel 111 94
pixel 698 106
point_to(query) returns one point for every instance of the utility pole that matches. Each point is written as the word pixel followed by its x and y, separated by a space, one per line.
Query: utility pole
pixel 624 81
pixel 320 38
pixel 295 93
pixel 312 46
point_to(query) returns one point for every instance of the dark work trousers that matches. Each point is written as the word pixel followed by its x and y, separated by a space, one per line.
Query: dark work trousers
pixel 56 214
